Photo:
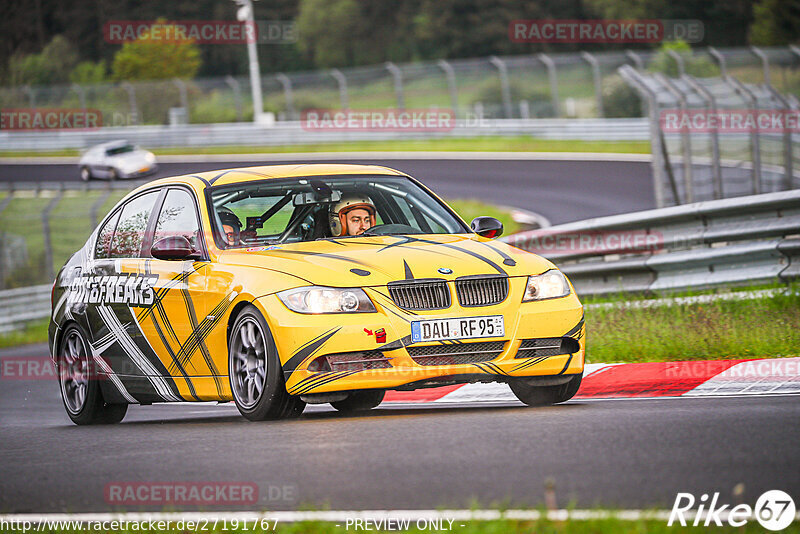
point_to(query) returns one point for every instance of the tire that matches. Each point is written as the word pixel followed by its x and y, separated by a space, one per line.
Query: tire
pixel 80 389
pixel 113 174
pixel 255 372
pixel 545 395
pixel 360 401
pixel 86 174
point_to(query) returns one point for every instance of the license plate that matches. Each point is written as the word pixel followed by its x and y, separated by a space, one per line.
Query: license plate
pixel 461 328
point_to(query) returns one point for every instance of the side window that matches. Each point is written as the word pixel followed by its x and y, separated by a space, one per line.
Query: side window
pixel 128 237
pixel 104 237
pixel 178 217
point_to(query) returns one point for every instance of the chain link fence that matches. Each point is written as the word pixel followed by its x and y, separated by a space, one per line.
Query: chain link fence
pixel 582 85
pixel 721 136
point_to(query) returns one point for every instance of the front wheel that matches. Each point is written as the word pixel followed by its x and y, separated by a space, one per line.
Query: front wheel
pixel 545 395
pixel 86 174
pixel 359 401
pixel 254 368
pixel 80 389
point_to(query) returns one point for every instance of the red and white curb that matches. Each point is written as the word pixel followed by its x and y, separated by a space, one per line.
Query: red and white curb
pixel 777 376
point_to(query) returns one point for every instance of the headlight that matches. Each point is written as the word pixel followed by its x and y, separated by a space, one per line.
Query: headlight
pixel 150 158
pixel 549 285
pixel 316 299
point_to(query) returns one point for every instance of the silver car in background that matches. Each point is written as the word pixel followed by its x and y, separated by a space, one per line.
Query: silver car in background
pixel 116 159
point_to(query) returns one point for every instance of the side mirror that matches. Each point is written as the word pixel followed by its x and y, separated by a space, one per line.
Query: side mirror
pixel 487 227
pixel 173 248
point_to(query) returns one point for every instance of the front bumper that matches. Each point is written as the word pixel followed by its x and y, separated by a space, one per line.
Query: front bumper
pixel 139 173
pixel 300 339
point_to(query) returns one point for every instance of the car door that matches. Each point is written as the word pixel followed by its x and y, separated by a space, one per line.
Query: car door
pixel 178 323
pixel 120 290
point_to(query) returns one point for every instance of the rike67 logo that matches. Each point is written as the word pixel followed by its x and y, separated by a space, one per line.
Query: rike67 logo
pixel 774 510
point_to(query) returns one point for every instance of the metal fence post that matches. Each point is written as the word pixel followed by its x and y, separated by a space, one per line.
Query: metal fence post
pixel 183 95
pixel 342 81
pixel 755 141
pixel 81 94
pixel 48 246
pixel 716 170
pixel 679 60
pixel 686 139
pixel 788 156
pixel 723 68
pixel 551 73
pixel 764 63
pixel 287 94
pixel 636 58
pixel 134 110
pixel 236 87
pixel 598 88
pixel 632 77
pixel 505 89
pixel 397 74
pixel 451 83
pixel 97 204
pixel 31 92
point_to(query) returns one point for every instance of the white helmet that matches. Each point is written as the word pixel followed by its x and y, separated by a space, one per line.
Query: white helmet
pixel 348 203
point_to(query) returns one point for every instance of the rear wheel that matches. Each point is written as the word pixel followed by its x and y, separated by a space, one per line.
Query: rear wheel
pixel 80 389
pixel 359 401
pixel 254 368
pixel 545 395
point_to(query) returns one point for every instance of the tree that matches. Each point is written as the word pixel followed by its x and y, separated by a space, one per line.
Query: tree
pixel 156 59
pixel 326 29
pixel 88 72
pixel 777 22
pixel 51 66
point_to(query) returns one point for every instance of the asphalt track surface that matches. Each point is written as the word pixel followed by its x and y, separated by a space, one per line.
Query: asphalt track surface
pixel 616 453
pixel 562 191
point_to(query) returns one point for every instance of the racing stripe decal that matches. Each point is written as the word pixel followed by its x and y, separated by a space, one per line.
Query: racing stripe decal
pixel 305 351
pixel 103 365
pixel 158 380
pixel 318 381
pixel 529 363
pixel 577 329
pixel 407 270
pixel 507 260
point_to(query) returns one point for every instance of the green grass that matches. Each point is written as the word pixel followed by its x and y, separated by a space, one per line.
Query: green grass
pixel 33 332
pixel 473 144
pixel 468 209
pixel 755 328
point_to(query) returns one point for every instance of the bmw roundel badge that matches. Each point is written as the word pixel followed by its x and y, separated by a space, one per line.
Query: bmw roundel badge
pixel 445 270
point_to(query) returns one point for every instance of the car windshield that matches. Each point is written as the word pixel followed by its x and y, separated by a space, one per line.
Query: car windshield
pixel 329 207
pixel 120 150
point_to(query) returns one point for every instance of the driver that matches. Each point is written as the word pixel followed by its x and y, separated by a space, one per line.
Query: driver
pixel 231 226
pixel 352 215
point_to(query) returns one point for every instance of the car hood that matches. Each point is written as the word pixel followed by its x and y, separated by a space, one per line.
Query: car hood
pixel 375 261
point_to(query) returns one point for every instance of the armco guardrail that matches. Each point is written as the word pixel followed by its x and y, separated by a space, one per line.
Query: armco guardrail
pixel 18 306
pixel 293 133
pixel 746 240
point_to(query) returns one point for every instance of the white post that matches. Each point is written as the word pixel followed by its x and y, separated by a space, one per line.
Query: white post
pixel 245 14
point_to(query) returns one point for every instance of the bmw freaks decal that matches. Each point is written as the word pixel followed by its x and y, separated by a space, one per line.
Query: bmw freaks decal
pixel 131 289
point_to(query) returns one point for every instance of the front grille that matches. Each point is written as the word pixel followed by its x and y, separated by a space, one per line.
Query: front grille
pixel 428 294
pixel 456 354
pixel 547 346
pixel 481 290
pixel 353 361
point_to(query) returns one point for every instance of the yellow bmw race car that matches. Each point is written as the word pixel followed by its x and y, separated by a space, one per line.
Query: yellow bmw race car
pixel 284 285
